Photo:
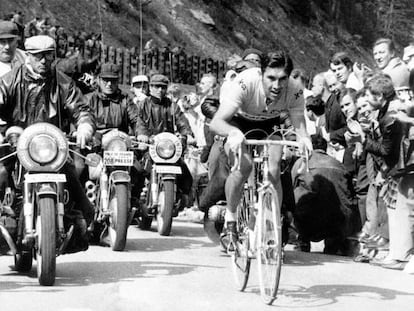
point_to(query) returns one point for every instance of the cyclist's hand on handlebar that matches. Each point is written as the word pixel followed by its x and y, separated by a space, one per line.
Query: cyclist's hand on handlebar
pixel 305 144
pixel 235 139
pixel 83 134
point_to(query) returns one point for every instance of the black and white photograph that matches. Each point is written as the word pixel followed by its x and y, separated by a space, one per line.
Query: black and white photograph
pixel 174 155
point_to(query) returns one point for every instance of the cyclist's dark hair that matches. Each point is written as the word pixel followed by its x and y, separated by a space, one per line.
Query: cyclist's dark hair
pixel 341 58
pixel 278 59
pixel 318 142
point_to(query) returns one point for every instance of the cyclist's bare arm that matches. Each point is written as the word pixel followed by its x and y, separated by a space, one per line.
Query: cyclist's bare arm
pixel 298 122
pixel 220 122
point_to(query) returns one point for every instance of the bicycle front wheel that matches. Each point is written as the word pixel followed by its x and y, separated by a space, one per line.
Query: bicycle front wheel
pixel 269 252
pixel 240 259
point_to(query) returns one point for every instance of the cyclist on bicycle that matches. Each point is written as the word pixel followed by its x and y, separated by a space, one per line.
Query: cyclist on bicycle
pixel 255 100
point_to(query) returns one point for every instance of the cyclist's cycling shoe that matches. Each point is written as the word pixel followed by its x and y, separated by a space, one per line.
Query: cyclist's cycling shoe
pixel 230 237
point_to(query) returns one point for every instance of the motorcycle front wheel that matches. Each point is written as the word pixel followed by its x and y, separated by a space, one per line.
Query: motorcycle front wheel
pixel 118 221
pixel 165 208
pixel 46 250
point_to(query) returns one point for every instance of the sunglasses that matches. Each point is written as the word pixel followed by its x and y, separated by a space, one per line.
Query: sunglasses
pixel 49 55
pixel 157 86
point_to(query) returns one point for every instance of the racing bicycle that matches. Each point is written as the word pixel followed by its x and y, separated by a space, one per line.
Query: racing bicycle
pixel 259 223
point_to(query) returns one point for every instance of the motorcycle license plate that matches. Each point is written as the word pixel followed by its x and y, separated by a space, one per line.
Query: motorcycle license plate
pixel 168 169
pixel 118 158
pixel 38 178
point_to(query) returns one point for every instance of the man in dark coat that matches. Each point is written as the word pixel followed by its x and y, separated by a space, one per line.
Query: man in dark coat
pixel 324 208
pixel 157 114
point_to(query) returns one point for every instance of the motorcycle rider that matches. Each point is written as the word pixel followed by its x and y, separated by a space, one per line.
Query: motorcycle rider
pixel 157 114
pixel 10 54
pixel 112 109
pixel 36 92
pixel 140 87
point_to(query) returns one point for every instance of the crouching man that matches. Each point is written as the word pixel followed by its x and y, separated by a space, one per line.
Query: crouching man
pixel 323 198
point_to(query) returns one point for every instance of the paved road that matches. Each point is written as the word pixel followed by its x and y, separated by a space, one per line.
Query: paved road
pixel 188 272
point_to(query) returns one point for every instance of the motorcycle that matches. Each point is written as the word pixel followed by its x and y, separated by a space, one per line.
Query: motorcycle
pixel 36 199
pixel 159 196
pixel 109 188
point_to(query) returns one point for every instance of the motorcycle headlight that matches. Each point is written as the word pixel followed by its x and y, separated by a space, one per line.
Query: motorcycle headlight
pixel 43 149
pixel 117 145
pixel 166 149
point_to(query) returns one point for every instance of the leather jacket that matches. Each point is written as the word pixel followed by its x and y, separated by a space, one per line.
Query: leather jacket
pixel 25 98
pixel 386 149
pixel 117 111
pixel 156 116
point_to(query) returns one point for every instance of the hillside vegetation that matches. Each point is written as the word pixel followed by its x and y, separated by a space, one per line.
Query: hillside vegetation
pixel 311 30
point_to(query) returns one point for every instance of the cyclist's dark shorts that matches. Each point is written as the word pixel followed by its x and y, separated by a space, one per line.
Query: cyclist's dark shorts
pixel 245 125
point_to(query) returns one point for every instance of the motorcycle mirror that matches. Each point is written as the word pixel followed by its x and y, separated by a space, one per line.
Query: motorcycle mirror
pixel 13 133
pixel 93 160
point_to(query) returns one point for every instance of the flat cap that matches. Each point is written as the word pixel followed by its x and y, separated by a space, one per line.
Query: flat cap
pixel 110 71
pixel 38 44
pixel 8 30
pixel 158 79
pixel 252 51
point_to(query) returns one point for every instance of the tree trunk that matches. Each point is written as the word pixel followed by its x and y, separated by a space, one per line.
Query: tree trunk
pixel 390 18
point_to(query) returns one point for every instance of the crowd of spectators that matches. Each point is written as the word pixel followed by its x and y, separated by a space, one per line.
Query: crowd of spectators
pixel 67 43
pixel 365 116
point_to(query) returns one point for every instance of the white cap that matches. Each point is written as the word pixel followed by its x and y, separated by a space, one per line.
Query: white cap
pixel 140 78
pixel 37 44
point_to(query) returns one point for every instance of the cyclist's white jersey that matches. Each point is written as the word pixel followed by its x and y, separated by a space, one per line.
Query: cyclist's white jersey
pixel 246 93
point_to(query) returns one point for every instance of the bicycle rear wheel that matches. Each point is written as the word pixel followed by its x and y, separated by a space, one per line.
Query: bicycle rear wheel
pixel 239 258
pixel 269 252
